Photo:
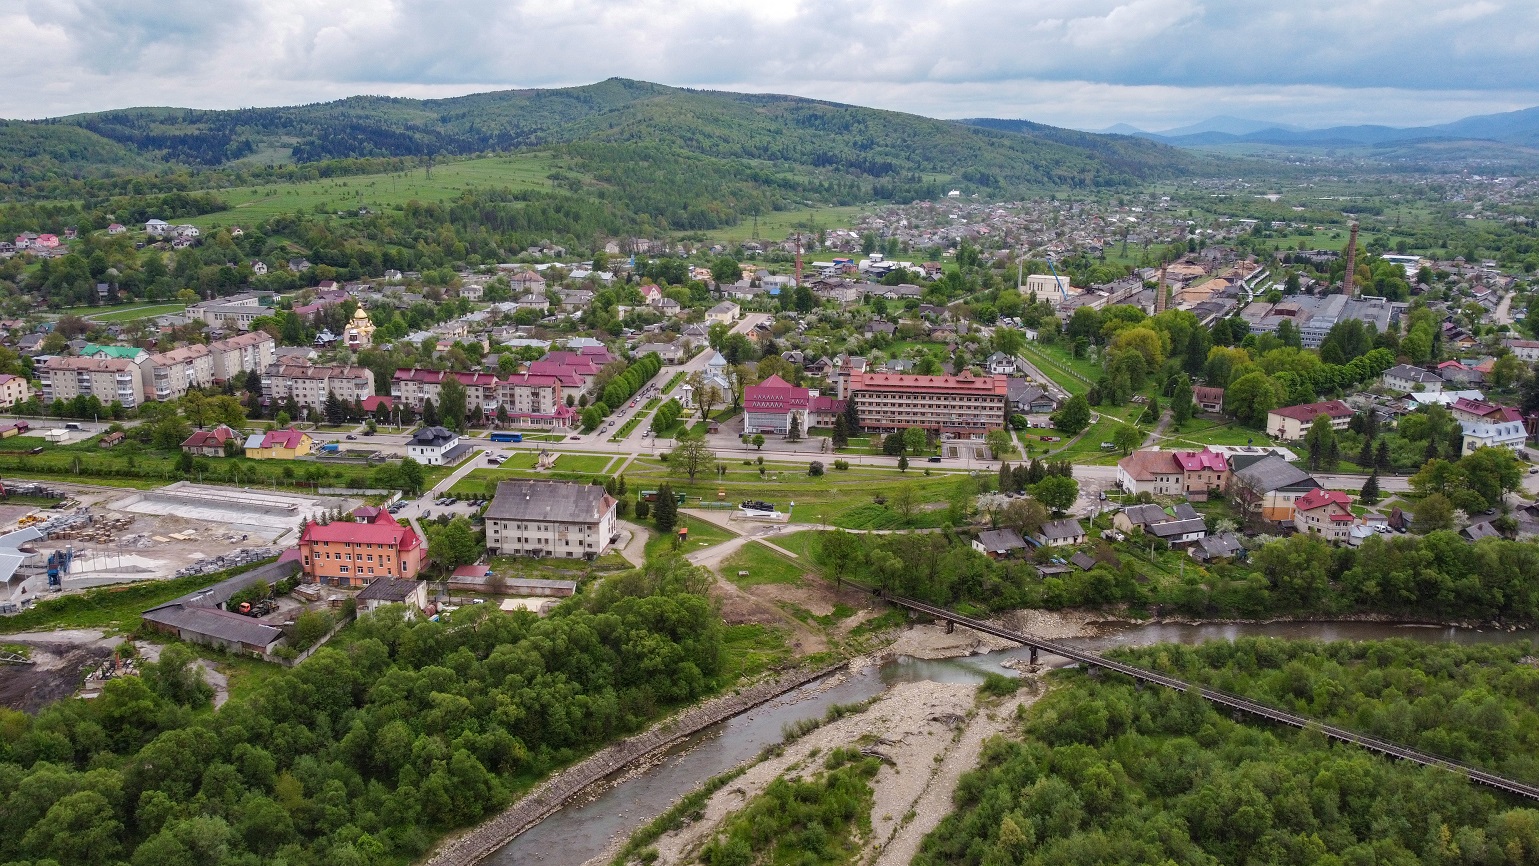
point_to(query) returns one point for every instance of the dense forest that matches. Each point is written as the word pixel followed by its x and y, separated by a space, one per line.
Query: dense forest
pixel 1113 774
pixel 365 752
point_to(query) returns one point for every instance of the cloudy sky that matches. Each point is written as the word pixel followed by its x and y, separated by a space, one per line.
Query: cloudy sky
pixel 1155 64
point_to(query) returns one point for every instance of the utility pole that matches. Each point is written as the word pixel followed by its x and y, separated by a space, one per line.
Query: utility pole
pixel 798 259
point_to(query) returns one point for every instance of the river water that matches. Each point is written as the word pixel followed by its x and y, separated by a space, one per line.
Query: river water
pixel 586 827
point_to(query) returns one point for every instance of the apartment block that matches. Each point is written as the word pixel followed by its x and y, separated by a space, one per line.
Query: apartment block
pixel 107 379
pixel 240 355
pixel 309 385
pixel 963 406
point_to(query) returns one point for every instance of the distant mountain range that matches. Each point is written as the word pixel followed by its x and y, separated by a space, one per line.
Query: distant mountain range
pixel 1519 128
pixel 808 148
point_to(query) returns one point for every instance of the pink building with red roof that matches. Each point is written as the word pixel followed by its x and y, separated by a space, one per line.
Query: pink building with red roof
pixel 359 551
pixel 1326 513
pixel 769 406
pixel 1202 471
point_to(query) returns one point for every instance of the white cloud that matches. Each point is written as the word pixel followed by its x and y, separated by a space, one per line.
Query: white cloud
pixel 1087 62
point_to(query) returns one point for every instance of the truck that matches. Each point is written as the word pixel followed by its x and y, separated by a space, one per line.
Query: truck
pixel 507 437
pixel 330 448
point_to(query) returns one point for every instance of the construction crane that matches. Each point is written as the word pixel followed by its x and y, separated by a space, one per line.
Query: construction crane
pixel 1057 280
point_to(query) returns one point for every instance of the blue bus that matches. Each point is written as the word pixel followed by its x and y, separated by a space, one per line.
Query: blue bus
pixel 507 437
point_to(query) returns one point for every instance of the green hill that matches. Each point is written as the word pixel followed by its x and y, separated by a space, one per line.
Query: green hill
pixel 811 148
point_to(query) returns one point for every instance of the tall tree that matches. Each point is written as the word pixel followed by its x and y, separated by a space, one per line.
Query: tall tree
pixel 451 403
pixel 691 456
pixel 841 434
pixel 1181 406
pixel 665 512
pixel 1321 443
pixel 1370 491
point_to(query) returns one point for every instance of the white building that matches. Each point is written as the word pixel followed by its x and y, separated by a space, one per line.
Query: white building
pixel 550 518
pixel 1404 377
pixel 1493 434
pixel 433 446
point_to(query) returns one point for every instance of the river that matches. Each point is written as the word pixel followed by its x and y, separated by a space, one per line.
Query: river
pixel 587 826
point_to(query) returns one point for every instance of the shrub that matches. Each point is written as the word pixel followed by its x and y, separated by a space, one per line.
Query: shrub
pixel 815 468
pixel 841 465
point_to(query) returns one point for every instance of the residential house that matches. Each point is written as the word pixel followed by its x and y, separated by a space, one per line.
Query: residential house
pixel 1028 399
pixel 156 228
pixel 434 446
pixel 668 353
pixel 1266 488
pixel 1208 399
pixel 999 543
pixel 357 552
pixel 1153 472
pixel 1506 433
pixel 1406 378
pixel 393 590
pixel 1000 364
pixel 285 444
pixel 1326 513
pixel 1290 423
pixel 724 313
pixel 13 389
pixel 1214 548
pixel 550 519
pixel 1202 473
pixel 1062 533
pixel 1527 351
pixel 210 443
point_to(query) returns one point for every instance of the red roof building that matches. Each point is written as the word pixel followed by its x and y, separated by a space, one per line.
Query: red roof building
pixel 210 443
pixel 1326 513
pixel 356 552
pixel 1290 423
pixel 771 405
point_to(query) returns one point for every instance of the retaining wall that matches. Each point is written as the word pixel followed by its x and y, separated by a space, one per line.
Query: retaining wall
pixel 475 845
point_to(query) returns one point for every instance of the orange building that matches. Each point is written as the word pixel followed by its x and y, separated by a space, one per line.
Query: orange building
pixel 357 552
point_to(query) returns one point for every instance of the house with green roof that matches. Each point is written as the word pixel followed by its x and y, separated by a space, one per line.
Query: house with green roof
pixel 131 353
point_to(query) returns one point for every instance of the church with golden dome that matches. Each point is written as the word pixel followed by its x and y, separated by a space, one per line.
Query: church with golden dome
pixel 359 333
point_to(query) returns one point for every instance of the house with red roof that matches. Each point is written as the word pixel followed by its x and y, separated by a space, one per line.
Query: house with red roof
pixel 356 552
pixel 769 407
pixel 1290 423
pixel 1326 513
pixel 1202 472
pixel 210 443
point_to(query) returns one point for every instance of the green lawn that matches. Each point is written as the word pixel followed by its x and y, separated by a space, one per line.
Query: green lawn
pixel 843 498
pixel 701 534
pixel 751 649
pixel 1200 432
pixel 136 313
pixel 762 566
pixel 591 463
pixel 254 204
pixel 776 225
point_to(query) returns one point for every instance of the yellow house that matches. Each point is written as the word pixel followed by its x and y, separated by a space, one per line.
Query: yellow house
pixel 279 445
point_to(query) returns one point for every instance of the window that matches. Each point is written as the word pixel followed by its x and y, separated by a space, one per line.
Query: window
pixel 343 569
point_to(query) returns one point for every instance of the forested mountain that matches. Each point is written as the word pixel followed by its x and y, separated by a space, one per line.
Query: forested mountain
pixel 886 154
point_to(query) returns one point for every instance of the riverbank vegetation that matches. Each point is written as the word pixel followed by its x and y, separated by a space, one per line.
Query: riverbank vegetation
pixel 1109 773
pixel 809 821
pixel 1438 576
pixel 366 752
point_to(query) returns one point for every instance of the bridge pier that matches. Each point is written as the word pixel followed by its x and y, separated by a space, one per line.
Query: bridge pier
pixel 950 627
pixel 1033 655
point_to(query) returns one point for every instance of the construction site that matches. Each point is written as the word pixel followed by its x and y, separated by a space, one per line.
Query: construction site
pixel 95 536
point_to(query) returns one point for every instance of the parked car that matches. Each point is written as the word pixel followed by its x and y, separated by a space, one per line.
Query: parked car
pixel 351 436
pixel 934 459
